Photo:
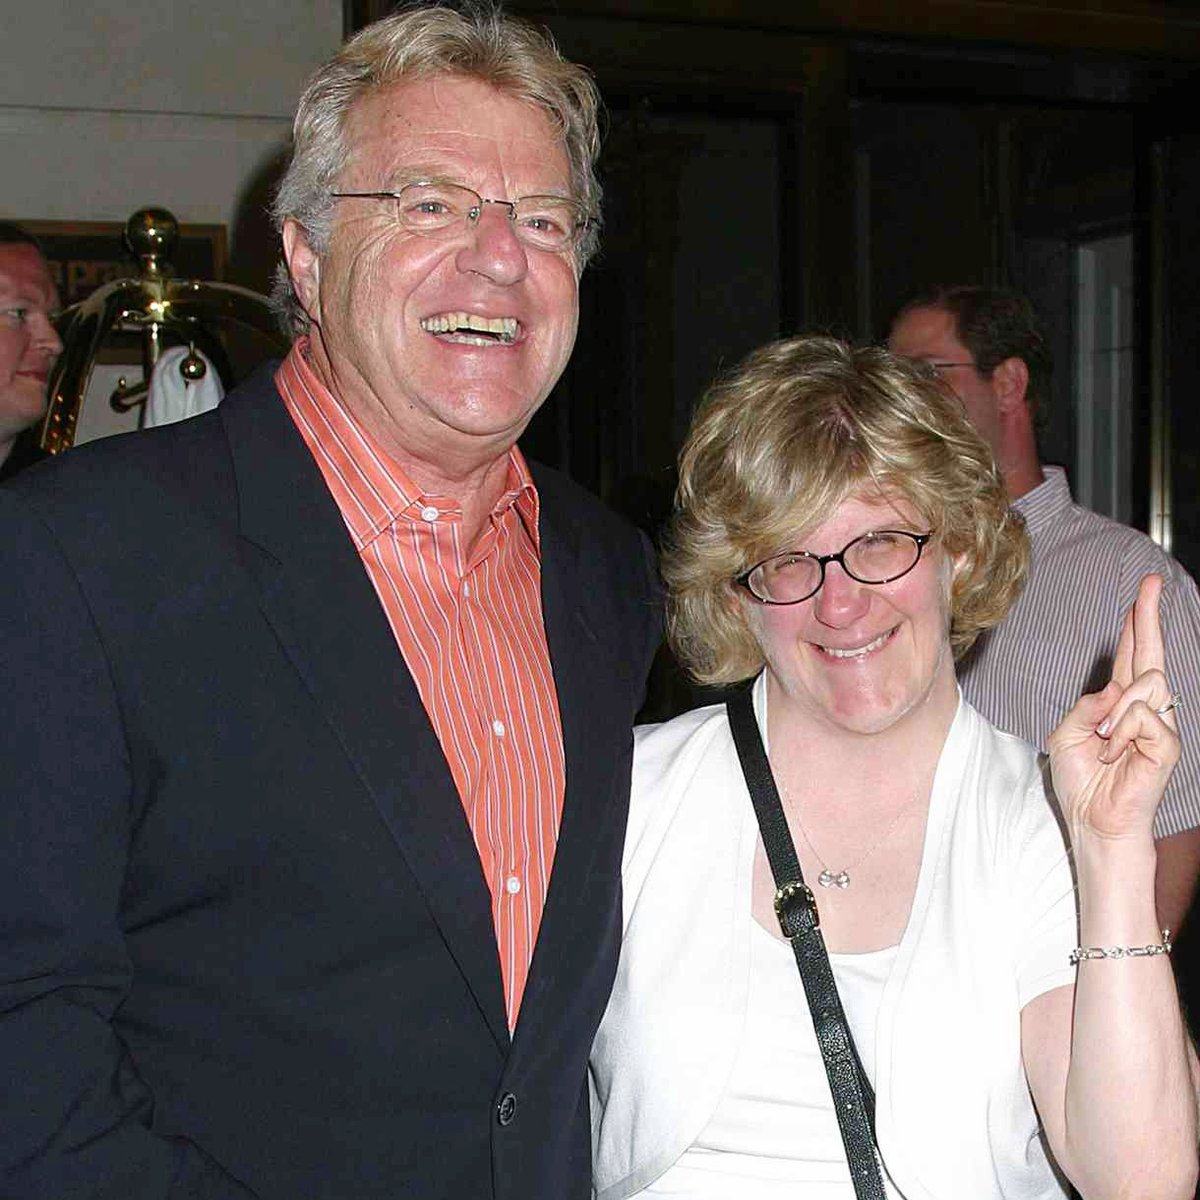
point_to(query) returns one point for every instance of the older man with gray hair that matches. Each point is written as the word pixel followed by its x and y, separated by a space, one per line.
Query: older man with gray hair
pixel 319 705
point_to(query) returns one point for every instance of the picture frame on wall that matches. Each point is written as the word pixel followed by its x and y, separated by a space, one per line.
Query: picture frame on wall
pixel 84 255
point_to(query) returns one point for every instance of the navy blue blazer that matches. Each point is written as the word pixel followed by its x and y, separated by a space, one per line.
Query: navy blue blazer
pixel 246 946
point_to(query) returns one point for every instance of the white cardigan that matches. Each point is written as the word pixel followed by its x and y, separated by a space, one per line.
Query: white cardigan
pixel 992 923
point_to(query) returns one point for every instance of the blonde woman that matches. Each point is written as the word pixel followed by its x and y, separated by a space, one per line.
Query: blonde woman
pixel 841 535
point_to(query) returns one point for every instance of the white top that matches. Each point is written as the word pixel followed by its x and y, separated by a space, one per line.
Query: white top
pixel 860 979
pixel 774 1127
pixel 992 923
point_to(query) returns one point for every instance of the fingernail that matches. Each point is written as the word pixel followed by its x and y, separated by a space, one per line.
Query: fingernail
pixel 1103 728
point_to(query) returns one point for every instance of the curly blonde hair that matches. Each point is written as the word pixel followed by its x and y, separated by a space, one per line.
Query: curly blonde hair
pixel 777 445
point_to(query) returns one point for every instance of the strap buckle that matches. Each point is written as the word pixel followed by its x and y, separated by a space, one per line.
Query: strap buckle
pixel 796 908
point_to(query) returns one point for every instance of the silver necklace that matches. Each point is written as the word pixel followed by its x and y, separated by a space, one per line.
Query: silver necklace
pixel 830 878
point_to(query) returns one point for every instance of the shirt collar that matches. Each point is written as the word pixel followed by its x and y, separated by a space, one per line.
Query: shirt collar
pixel 372 490
pixel 1042 506
pixel 520 491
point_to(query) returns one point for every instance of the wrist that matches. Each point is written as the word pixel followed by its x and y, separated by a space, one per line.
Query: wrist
pixel 1131 856
pixel 1115 877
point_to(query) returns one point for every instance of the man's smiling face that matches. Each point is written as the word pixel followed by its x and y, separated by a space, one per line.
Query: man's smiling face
pixel 453 339
pixel 28 341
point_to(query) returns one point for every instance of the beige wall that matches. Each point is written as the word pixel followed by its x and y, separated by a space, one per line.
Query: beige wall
pixel 111 105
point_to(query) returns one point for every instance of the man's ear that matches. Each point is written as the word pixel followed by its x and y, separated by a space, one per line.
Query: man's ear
pixel 304 267
pixel 1010 381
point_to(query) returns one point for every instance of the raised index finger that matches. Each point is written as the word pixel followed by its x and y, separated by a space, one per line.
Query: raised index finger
pixel 1122 668
pixel 1148 651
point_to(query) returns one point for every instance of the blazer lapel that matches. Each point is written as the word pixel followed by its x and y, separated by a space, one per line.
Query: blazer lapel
pixel 319 600
pixel 574 645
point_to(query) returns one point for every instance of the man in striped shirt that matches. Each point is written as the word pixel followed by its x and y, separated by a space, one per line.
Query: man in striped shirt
pixel 319 706
pixel 1058 639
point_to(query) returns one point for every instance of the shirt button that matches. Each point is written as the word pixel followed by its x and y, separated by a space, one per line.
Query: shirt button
pixel 466 591
pixel 429 513
pixel 506 1109
pixel 512 885
pixel 498 728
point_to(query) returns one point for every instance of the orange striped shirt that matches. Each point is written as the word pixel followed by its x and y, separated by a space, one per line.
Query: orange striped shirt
pixel 469 625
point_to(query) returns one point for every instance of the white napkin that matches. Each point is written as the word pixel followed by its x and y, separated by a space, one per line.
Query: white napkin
pixel 171 397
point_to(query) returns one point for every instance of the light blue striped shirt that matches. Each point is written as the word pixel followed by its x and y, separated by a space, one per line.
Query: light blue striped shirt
pixel 1058 640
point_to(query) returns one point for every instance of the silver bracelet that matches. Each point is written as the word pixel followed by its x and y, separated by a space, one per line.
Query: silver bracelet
pixel 1082 952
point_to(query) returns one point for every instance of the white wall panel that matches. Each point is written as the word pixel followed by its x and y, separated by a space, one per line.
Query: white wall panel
pixel 109 106
pixel 100 166
pixel 171 56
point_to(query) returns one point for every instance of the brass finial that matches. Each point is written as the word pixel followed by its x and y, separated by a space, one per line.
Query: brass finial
pixel 192 366
pixel 151 235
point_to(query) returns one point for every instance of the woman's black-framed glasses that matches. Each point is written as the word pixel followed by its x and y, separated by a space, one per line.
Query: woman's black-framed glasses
pixel 879 556
pixel 438 208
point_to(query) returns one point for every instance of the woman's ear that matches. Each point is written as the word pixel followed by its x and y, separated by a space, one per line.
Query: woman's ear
pixel 956 566
pixel 739 606
pixel 733 603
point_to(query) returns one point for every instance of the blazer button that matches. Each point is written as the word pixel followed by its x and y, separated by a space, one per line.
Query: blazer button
pixel 506 1109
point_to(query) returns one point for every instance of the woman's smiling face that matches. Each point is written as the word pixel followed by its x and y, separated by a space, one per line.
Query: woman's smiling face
pixel 862 657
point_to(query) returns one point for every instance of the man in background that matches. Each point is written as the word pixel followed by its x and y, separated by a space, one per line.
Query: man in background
pixel 318 706
pixel 984 344
pixel 29 343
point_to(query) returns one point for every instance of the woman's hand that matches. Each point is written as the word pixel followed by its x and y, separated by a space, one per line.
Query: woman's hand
pixel 1112 754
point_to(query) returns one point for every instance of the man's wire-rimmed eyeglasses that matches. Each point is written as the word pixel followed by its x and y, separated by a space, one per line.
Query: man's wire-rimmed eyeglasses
pixel 880 556
pixel 937 366
pixel 440 209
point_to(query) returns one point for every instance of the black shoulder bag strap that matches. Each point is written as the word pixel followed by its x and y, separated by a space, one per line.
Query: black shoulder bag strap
pixel 853 1099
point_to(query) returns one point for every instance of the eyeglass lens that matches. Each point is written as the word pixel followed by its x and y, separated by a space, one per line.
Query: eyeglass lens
pixel 876 557
pixel 546 222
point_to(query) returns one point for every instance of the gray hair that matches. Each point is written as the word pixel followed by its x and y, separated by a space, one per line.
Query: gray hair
pixel 516 58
